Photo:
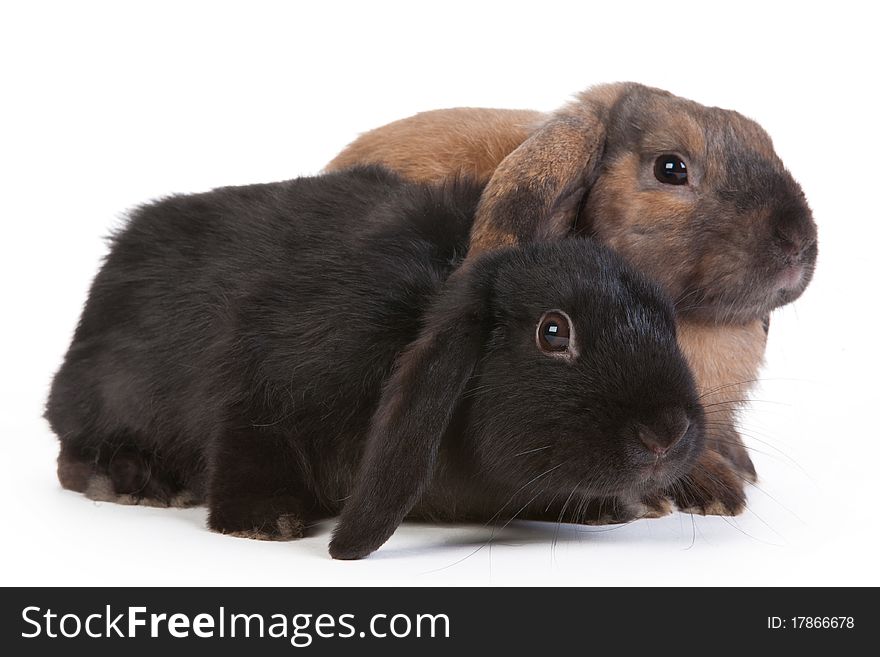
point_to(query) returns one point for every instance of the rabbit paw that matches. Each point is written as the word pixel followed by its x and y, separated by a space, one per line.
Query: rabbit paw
pixel 712 488
pixel 613 511
pixel 126 479
pixel 655 506
pixel 275 519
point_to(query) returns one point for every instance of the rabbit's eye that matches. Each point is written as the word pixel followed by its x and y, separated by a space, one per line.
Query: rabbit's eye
pixel 554 332
pixel 671 169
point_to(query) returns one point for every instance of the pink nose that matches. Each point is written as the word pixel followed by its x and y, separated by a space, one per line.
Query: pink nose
pixel 659 443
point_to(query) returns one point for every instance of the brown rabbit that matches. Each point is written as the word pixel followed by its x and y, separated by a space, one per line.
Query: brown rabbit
pixel 695 196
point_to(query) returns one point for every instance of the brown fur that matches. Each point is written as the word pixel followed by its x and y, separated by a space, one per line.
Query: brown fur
pixel 714 244
pixel 463 140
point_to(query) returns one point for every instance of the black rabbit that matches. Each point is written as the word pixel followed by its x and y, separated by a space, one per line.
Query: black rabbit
pixel 292 350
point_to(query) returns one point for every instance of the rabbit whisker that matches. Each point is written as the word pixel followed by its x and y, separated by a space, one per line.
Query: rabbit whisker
pixel 495 516
pixel 536 449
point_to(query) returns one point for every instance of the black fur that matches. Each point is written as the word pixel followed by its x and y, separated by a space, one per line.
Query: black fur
pixel 290 350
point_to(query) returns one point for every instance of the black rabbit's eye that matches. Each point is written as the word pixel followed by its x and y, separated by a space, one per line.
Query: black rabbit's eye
pixel 554 332
pixel 671 169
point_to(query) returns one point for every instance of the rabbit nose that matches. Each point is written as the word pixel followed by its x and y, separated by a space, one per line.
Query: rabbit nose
pixel 789 246
pixel 793 249
pixel 660 440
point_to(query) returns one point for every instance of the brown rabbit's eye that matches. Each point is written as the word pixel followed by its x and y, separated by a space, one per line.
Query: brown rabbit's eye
pixel 671 169
pixel 554 332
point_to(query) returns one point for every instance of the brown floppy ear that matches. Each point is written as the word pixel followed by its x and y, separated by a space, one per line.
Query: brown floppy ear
pixel 537 190
pixel 414 411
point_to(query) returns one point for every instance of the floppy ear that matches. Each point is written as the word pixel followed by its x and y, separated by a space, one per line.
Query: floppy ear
pixel 414 411
pixel 536 192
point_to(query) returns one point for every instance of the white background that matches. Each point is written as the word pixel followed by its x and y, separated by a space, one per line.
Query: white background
pixel 105 105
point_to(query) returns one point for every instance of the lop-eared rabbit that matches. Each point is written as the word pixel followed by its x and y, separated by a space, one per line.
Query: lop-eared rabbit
pixel 694 196
pixel 290 351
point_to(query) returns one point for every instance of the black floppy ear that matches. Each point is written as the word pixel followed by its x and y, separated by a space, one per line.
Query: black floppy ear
pixel 536 192
pixel 413 413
